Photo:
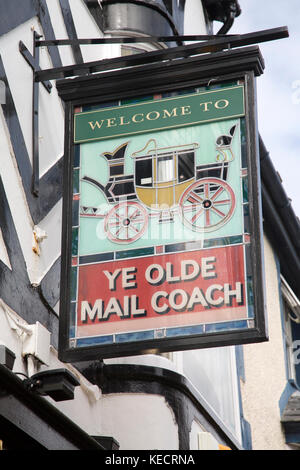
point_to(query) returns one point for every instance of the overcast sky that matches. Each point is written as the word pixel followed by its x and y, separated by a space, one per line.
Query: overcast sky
pixel 278 88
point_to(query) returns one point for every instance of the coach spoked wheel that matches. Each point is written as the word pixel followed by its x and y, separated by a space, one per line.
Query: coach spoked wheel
pixel 207 204
pixel 126 222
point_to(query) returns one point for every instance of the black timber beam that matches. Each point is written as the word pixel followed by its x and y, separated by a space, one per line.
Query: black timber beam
pixel 85 88
pixel 212 45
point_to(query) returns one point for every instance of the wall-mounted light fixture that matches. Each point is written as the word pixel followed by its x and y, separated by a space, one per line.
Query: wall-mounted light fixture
pixel 58 384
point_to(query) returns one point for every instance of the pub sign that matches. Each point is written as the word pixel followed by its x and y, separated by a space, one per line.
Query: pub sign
pixel 159 253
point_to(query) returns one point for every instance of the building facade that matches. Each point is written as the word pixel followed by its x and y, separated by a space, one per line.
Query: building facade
pixel 241 397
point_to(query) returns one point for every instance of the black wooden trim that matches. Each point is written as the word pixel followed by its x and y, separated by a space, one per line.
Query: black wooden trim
pixel 20 12
pixel 50 190
pixel 66 236
pixel 15 288
pixel 135 40
pixel 50 284
pixel 213 45
pixel 255 206
pixel 71 30
pixel 44 17
pixel 201 68
pixel 185 401
pixel 35 126
pixel 17 13
pixel 96 12
pixel 32 303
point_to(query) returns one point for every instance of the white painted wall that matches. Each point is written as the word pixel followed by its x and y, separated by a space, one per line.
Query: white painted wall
pixel 196 428
pixel 139 421
pixel 51 138
pixel 194 20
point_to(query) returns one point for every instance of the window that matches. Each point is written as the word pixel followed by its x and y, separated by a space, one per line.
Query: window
pixel 143 172
pixel 186 168
pixel 165 169
pixel 291 330
pixel 213 372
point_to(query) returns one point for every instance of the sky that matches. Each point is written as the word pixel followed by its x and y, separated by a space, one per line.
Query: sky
pixel 278 89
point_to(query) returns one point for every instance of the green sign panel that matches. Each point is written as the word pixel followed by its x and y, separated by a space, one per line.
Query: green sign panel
pixel 168 113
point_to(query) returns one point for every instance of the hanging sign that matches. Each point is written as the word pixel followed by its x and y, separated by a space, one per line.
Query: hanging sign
pixel 160 251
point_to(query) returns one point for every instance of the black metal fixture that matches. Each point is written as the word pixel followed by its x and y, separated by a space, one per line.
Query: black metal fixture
pixel 150 17
pixel 7 357
pixel 222 10
pixel 33 61
pixel 209 43
pixel 58 384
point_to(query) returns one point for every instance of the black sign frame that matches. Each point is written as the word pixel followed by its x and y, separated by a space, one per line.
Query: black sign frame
pixel 239 64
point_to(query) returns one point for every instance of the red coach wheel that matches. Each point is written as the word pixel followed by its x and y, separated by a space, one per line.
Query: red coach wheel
pixel 207 204
pixel 126 222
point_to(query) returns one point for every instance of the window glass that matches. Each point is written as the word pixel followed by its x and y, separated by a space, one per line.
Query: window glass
pixel 165 169
pixel 288 342
pixel 213 372
pixel 143 172
pixel 186 166
pixel 291 330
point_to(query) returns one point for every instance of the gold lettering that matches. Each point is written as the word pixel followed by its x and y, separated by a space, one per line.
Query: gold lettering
pixel 206 105
pixel 122 123
pixel 221 107
pixel 97 124
pixel 140 120
pixel 111 122
pixel 166 113
pixel 155 117
pixel 185 110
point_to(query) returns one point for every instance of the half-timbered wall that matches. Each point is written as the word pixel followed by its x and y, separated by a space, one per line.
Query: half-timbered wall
pixel 136 410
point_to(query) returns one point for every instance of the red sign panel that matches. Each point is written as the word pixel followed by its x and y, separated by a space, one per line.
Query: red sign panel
pixel 171 290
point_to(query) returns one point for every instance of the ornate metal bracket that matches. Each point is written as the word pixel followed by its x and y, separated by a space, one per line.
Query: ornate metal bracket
pixel 208 43
pixel 33 61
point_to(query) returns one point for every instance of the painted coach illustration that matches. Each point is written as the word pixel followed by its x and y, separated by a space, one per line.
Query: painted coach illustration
pixel 166 181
